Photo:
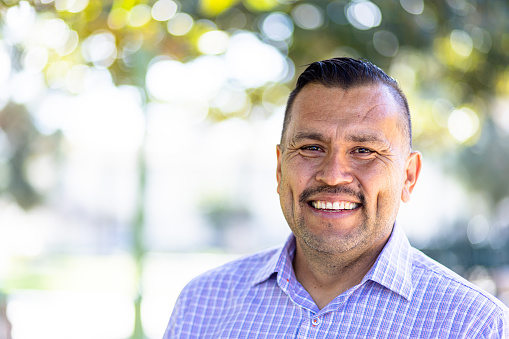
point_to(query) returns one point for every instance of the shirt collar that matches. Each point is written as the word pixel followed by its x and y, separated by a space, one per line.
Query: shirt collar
pixel 279 262
pixel 392 269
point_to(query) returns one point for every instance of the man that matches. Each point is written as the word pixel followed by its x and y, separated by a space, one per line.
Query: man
pixel 347 271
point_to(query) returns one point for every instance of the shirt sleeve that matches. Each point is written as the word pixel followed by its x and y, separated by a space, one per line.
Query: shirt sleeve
pixel 499 327
pixel 174 328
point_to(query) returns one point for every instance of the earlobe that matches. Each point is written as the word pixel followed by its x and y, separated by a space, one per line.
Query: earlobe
pixel 412 171
pixel 278 170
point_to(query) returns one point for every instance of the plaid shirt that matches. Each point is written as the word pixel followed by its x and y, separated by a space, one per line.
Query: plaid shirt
pixel 404 295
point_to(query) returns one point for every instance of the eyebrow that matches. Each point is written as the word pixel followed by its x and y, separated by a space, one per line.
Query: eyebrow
pixel 368 137
pixel 365 137
pixel 309 136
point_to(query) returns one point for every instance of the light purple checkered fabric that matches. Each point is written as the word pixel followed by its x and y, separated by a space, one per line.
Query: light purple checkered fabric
pixel 404 295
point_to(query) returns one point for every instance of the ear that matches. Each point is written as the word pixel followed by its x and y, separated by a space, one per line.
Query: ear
pixel 278 170
pixel 412 171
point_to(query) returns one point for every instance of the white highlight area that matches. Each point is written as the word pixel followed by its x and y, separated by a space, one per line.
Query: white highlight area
pixel 99 315
pixel 253 63
pixel 363 15
pixel 463 123
pixel 246 63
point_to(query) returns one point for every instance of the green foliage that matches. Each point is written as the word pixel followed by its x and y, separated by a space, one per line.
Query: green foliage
pixel 451 50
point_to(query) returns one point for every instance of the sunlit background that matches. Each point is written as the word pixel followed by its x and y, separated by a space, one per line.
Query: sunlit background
pixel 137 143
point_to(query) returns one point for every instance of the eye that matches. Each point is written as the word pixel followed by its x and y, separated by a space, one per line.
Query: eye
pixel 363 150
pixel 311 151
pixel 311 148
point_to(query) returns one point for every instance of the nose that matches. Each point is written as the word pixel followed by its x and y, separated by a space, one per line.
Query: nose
pixel 335 170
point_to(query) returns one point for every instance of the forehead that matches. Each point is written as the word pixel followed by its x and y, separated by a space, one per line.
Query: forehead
pixel 363 108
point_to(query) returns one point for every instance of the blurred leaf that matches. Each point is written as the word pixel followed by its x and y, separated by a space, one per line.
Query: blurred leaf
pixel 215 7
pixel 260 5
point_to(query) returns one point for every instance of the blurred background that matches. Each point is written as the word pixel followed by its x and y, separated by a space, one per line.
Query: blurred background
pixel 137 143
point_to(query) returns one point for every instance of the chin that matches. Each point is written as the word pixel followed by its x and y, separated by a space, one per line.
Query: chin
pixel 331 244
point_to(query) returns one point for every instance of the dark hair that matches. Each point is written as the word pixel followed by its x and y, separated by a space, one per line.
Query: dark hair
pixel 347 73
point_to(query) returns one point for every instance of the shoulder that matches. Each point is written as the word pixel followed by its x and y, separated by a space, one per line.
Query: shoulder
pixel 211 297
pixel 438 285
pixel 233 274
pixel 432 270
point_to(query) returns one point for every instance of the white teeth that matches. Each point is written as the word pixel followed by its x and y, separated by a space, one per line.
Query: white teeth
pixel 322 205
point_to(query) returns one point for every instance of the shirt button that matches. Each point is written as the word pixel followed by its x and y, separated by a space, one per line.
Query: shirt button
pixel 316 321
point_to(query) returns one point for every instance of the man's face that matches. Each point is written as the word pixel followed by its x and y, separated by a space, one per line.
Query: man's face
pixel 343 166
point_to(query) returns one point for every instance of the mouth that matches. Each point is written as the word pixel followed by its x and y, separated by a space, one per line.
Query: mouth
pixel 336 206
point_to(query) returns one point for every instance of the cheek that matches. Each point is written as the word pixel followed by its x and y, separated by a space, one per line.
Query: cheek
pixel 371 178
pixel 286 200
pixel 287 186
pixel 389 194
pixel 295 175
pixel 379 182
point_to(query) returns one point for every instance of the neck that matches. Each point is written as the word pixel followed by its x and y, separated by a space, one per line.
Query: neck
pixel 327 275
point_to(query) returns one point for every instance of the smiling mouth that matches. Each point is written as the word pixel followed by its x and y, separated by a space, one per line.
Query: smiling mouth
pixel 334 206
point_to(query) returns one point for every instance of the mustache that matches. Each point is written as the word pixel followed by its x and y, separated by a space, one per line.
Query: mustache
pixel 308 192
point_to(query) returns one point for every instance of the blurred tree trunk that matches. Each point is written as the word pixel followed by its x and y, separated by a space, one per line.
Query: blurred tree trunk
pixel 138 242
pixel 5 325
